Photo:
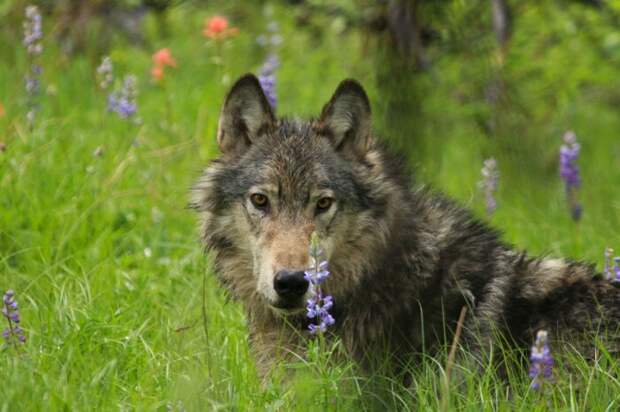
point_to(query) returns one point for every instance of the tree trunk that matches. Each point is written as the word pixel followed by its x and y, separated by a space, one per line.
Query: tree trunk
pixel 404 28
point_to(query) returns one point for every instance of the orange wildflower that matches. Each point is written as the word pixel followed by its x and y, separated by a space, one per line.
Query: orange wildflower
pixel 163 57
pixel 157 73
pixel 2 112
pixel 216 28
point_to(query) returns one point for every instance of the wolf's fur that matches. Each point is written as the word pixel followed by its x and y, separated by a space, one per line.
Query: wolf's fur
pixel 403 263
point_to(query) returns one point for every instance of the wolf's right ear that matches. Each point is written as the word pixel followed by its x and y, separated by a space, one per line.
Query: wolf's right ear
pixel 246 114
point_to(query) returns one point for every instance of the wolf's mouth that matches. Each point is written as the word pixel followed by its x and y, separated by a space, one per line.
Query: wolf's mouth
pixel 289 308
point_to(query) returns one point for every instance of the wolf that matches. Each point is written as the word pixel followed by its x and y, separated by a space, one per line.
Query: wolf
pixel 404 259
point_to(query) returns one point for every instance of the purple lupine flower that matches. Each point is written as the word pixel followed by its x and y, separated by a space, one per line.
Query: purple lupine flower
pixel 33 85
pixel 318 305
pixel 569 171
pixel 262 40
pixel 123 101
pixel 33 33
pixel 273 38
pixel 112 101
pixel 13 334
pixel 105 73
pixel 616 268
pixel 489 183
pixel 273 27
pixel 127 105
pixel 607 270
pixel 267 72
pixel 541 367
pixel 267 78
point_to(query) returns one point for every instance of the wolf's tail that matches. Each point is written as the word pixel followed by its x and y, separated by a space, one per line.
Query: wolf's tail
pixel 570 300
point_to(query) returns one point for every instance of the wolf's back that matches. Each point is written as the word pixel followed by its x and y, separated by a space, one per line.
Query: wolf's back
pixel 510 290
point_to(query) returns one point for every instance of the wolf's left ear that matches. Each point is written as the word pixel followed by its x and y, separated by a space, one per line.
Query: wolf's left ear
pixel 346 120
pixel 246 114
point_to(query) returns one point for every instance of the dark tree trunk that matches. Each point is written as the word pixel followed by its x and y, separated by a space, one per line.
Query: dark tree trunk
pixel 496 89
pixel 405 31
pixel 502 22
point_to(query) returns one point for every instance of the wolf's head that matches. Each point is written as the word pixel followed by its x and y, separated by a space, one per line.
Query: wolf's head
pixel 279 180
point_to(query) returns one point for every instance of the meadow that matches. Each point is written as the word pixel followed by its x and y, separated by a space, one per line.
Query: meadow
pixel 118 302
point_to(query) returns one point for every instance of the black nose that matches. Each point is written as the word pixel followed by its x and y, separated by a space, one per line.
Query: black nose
pixel 290 285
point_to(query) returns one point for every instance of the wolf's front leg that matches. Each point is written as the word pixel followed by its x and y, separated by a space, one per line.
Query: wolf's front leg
pixel 274 346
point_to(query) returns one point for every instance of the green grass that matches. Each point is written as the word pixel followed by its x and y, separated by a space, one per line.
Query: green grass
pixel 104 255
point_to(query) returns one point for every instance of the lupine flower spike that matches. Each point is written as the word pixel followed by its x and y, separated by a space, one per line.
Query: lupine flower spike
pixel 617 268
pixel 267 78
pixel 105 73
pixel 319 305
pixel 607 270
pixel 489 183
pixel 33 33
pixel 272 39
pixel 123 102
pixel 267 72
pixel 14 334
pixel 541 367
pixel 569 171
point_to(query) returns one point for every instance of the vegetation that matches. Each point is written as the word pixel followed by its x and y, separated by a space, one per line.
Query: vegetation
pixel 119 305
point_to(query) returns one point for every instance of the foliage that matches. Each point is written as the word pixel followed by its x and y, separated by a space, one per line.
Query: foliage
pixel 105 258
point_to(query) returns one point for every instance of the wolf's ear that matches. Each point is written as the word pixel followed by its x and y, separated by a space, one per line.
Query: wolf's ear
pixel 246 114
pixel 346 119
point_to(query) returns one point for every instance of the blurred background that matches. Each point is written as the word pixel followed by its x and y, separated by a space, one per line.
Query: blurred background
pixel 507 70
pixel 516 72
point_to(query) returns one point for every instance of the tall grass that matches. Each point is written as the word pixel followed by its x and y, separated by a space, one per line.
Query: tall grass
pixel 104 255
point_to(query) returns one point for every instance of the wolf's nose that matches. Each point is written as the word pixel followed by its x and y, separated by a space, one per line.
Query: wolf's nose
pixel 290 285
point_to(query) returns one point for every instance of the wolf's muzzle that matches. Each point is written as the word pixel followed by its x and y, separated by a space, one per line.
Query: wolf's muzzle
pixel 290 286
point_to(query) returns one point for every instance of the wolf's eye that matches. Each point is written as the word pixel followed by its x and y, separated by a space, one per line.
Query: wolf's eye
pixel 259 200
pixel 323 204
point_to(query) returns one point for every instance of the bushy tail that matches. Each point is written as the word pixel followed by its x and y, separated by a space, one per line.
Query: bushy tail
pixel 574 303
